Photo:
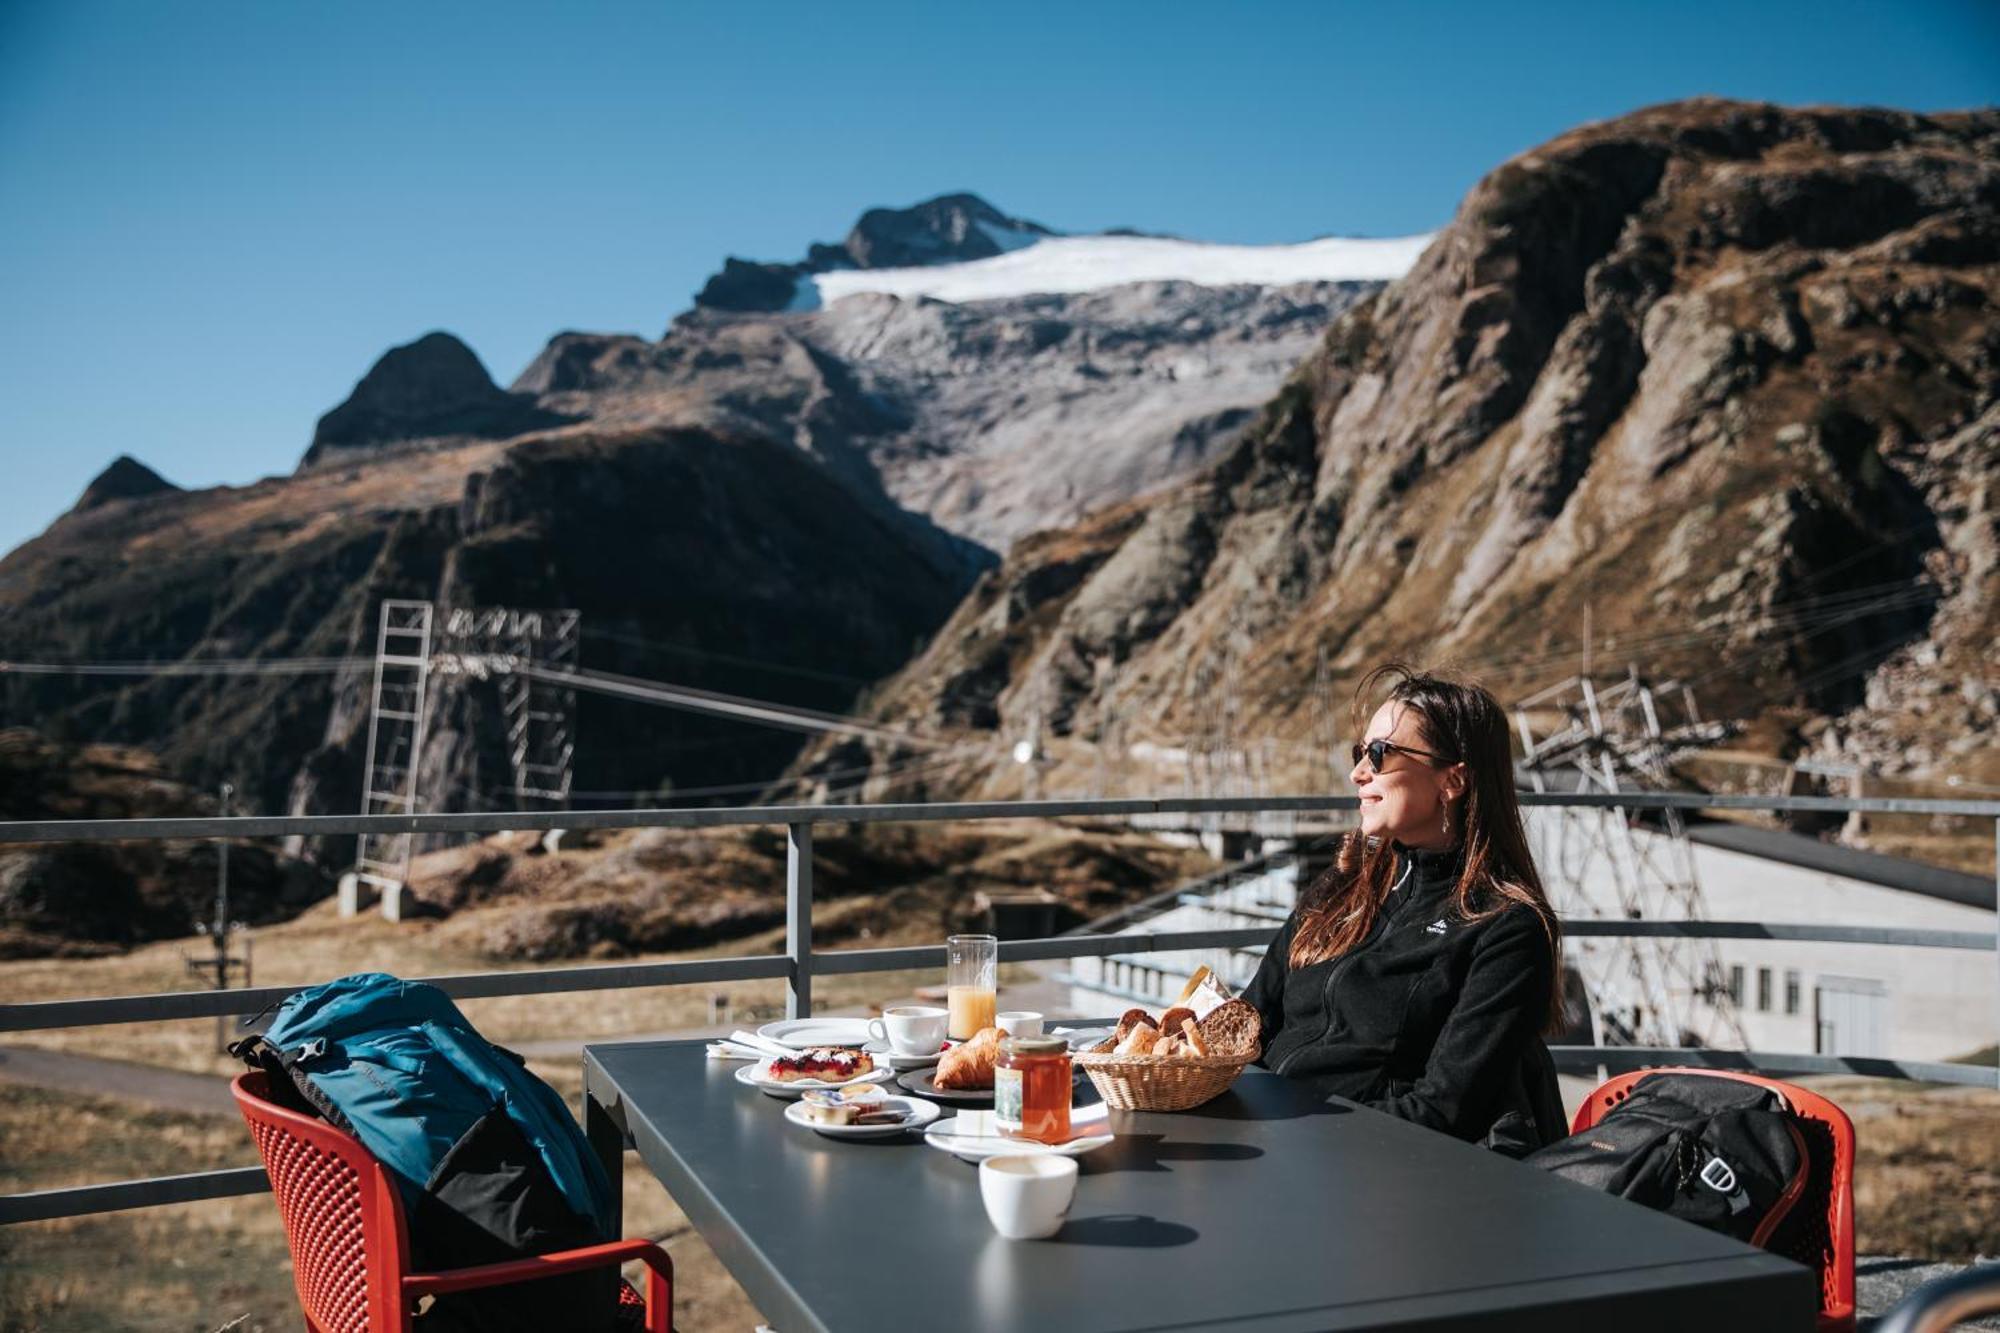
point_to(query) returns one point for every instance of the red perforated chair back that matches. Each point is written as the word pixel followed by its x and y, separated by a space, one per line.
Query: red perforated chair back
pixel 1827 1249
pixel 343 1220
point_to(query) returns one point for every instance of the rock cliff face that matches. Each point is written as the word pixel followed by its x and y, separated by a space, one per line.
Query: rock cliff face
pixel 1723 377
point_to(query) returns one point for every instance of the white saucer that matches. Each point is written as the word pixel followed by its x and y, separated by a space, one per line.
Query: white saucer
pixel 753 1076
pixel 799 1033
pixel 970 1137
pixel 921 1114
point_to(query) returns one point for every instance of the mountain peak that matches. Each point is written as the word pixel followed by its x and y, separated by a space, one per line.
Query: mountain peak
pixel 948 229
pixel 435 386
pixel 126 479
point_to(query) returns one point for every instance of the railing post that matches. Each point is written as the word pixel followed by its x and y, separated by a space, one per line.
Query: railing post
pixel 799 918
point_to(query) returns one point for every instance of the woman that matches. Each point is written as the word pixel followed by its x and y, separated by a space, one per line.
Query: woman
pixel 1415 975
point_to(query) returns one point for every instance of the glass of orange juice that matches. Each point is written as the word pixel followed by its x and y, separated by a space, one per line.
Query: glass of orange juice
pixel 972 964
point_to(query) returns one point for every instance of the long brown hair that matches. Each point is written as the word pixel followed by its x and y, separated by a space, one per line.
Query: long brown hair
pixel 1461 723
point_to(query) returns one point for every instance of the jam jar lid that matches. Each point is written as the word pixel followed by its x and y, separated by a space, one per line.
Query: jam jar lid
pixel 1033 1046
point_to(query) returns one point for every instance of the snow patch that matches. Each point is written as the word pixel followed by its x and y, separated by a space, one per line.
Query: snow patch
pixel 1061 264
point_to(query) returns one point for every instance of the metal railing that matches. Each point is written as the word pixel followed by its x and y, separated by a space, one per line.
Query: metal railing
pixel 800 963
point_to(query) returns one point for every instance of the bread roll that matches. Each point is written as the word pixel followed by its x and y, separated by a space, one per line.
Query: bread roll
pixel 1132 1018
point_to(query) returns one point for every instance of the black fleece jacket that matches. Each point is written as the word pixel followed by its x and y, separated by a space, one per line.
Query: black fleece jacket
pixel 1431 1018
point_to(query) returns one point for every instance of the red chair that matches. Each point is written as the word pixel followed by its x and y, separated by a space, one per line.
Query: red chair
pixel 1829 1249
pixel 345 1225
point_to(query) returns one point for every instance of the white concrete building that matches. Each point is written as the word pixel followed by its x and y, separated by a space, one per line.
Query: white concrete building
pixel 1859 1000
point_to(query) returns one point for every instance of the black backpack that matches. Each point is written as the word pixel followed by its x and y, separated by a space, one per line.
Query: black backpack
pixel 1721 1153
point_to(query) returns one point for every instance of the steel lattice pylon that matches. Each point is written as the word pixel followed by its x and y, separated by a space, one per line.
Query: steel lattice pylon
pixel 539 713
pixel 1644 991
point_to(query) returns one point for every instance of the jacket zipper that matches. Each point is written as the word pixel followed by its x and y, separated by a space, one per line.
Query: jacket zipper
pixel 1333 975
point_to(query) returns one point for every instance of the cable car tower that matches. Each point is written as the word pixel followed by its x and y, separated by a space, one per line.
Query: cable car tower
pixel 1602 863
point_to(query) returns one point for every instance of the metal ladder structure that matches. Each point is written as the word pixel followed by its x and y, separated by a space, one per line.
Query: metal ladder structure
pixel 397 717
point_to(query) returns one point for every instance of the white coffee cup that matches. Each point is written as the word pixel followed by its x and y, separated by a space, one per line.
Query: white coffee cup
pixel 913 1029
pixel 1020 1023
pixel 1027 1196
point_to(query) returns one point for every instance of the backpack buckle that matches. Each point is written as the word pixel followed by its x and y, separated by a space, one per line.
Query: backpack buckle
pixel 1719 1176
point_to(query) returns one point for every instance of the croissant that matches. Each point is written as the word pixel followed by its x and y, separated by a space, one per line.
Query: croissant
pixel 971 1064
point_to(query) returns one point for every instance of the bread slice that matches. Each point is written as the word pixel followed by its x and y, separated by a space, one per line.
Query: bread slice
pixel 1192 1036
pixel 1231 1027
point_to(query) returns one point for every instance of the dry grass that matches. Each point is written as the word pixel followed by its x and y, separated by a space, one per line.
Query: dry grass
pixel 1927 1170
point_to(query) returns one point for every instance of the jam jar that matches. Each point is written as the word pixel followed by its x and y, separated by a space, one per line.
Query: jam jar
pixel 1031 1089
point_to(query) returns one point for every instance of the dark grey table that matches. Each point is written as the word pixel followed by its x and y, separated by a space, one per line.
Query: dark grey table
pixel 1266 1209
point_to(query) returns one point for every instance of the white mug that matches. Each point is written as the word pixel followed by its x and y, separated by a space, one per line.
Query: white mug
pixel 1027 1197
pixel 910 1029
pixel 1020 1023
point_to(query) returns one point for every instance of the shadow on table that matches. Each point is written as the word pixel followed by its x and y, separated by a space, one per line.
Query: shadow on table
pixel 1154 1152
pixel 1128 1230
pixel 1268 1098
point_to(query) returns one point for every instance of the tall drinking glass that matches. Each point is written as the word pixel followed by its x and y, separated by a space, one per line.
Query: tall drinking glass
pixel 971 983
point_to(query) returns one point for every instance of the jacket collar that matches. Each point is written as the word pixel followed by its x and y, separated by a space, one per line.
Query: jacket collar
pixel 1430 869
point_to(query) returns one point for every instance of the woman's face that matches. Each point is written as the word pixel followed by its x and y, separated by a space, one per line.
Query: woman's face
pixel 1405 801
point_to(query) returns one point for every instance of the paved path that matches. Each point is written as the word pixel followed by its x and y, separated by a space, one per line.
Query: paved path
pixel 169 1089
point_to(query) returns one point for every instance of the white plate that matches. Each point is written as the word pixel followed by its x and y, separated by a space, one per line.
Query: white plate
pixel 1081 1038
pixel 970 1136
pixel 799 1033
pixel 756 1076
pixel 921 1114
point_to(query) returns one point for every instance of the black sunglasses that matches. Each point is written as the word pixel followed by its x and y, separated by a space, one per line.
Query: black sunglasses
pixel 1378 750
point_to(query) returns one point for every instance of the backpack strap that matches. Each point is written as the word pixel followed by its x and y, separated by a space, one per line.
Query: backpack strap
pixel 288 1083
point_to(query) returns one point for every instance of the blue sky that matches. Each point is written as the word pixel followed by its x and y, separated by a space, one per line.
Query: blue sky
pixel 215 216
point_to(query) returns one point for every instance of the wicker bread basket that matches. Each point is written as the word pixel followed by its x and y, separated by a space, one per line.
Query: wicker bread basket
pixel 1162 1082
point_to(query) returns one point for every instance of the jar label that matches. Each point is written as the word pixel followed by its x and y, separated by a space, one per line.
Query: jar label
pixel 1007 1100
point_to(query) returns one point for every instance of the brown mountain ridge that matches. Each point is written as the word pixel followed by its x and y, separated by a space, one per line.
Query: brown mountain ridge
pixel 1717 379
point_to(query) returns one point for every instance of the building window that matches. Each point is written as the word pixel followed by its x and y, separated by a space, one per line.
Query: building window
pixel 1736 984
pixel 1763 990
pixel 1791 992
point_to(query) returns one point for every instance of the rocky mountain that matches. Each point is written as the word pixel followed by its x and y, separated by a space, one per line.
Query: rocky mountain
pixel 992 418
pixel 951 228
pixel 1718 379
pixel 429 390
pixel 727 563
pixel 777 504
pixel 126 479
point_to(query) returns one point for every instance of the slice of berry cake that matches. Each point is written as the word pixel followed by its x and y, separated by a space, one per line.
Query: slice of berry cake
pixel 829 1064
